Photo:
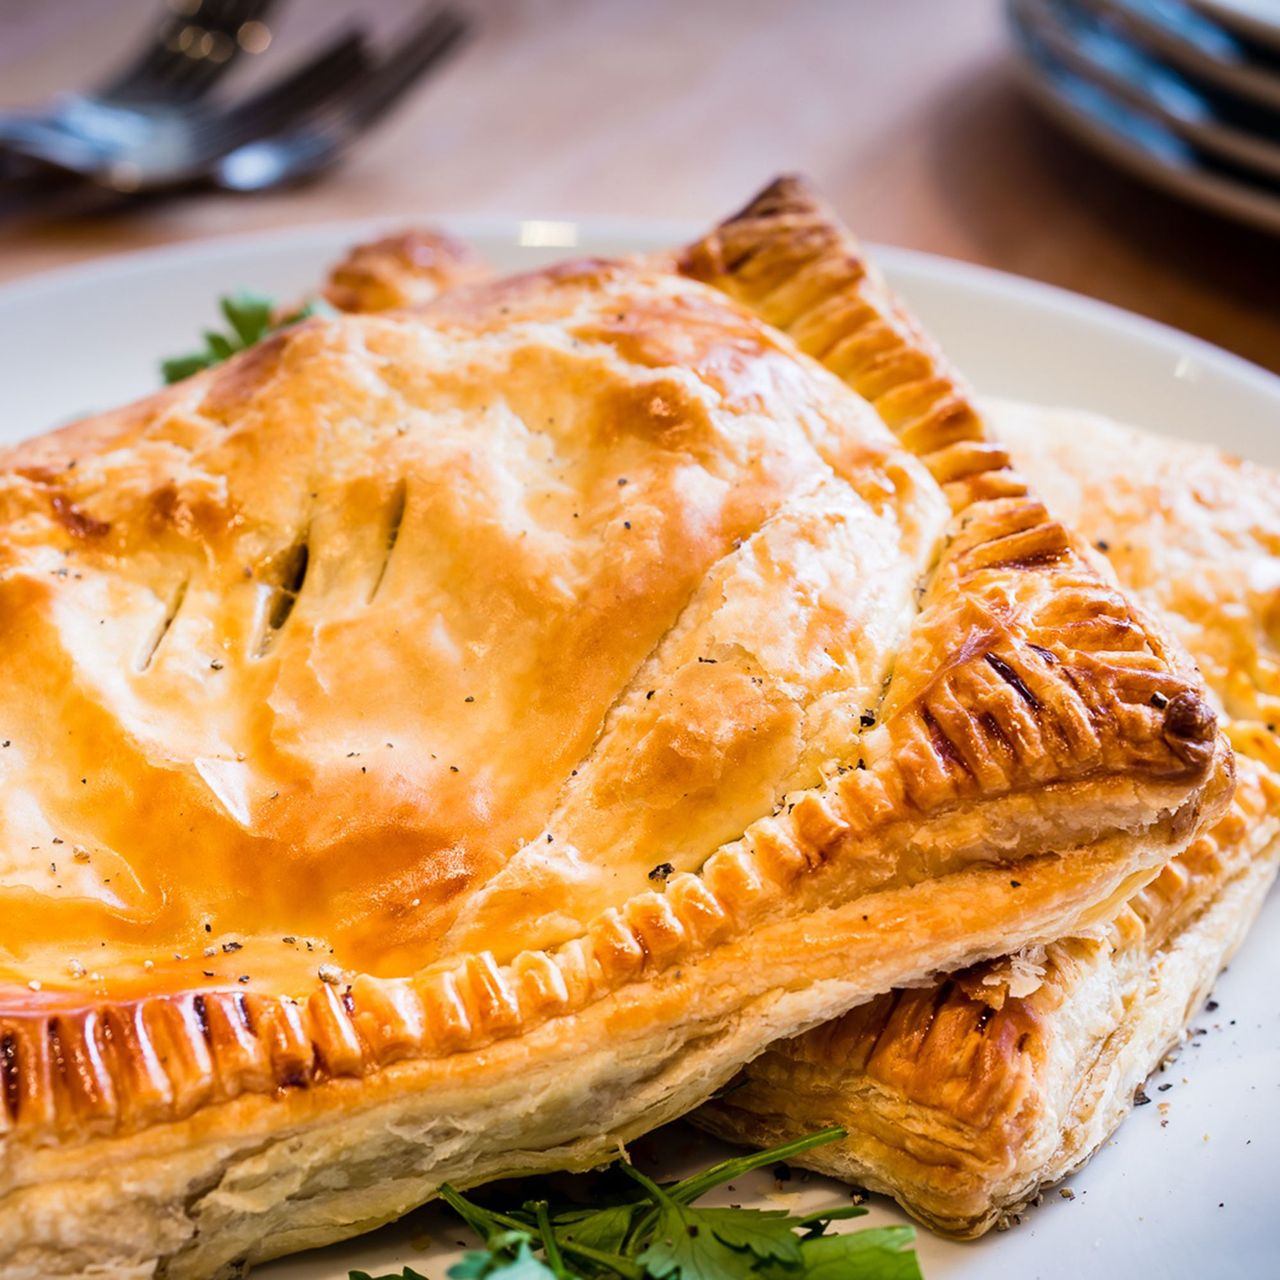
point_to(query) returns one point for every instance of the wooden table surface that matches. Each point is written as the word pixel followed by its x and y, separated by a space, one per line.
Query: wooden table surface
pixel 904 111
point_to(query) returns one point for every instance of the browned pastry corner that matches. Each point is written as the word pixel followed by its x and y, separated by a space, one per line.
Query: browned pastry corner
pixel 405 269
pixel 444 743
pixel 963 1099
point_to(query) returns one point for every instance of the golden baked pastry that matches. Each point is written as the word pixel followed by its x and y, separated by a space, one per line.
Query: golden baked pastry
pixel 964 1099
pixel 404 269
pixel 441 745
pixel 890 1070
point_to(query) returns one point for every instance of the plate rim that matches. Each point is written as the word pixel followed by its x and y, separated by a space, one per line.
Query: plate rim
pixel 650 233
pixel 1038 74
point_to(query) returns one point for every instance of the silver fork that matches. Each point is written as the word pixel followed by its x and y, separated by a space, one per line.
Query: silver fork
pixel 187 53
pixel 163 143
pixel 315 142
pixel 195 43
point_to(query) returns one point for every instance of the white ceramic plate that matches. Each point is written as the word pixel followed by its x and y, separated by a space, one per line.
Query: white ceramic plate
pixel 1199 46
pixel 1094 51
pixel 1138 139
pixel 1193 1199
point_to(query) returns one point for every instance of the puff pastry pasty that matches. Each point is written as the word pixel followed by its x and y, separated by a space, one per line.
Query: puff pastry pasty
pixel 440 745
pixel 964 1098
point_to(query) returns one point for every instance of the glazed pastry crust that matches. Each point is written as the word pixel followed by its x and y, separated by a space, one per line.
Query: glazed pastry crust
pixel 964 1099
pixel 522 810
pixel 405 269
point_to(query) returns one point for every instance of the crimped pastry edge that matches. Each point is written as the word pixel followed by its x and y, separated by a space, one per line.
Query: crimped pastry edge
pixel 1126 859
pixel 1127 755
pixel 1180 975
pixel 210 1194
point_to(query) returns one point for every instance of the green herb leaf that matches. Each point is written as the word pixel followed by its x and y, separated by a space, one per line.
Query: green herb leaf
pixel 605 1229
pixel 178 367
pixel 407 1274
pixel 220 348
pixel 718 1244
pixel 690 1189
pixel 875 1253
pixel 663 1236
pixel 251 317
pixel 490 1263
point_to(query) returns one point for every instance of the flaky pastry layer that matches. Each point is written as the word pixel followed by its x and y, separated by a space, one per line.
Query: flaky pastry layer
pixel 540 701
pixel 963 1099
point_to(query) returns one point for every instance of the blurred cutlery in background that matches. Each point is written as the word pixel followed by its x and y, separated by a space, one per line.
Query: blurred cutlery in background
pixel 155 129
pixel 1257 19
pixel 306 149
pixel 1183 36
pixel 196 42
pixel 1202 121
pixel 1221 123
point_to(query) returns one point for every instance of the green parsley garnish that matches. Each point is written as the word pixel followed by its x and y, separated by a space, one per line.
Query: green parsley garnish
pixel 251 317
pixel 658 1233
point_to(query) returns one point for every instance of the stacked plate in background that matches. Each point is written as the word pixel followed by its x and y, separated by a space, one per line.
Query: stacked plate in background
pixel 1184 93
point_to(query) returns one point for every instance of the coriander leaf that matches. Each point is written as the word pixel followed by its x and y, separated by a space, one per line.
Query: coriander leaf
pixel 407 1274
pixel 816 1224
pixel 717 1244
pixel 604 1229
pixel 688 1190
pixel 874 1253
pixel 488 1264
pixel 252 318
pixel 249 314
pixel 765 1232
pixel 176 368
pixel 220 348
pixel 488 1226
pixel 472 1264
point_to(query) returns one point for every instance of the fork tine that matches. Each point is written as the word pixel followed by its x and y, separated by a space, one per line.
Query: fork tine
pixel 432 39
pixel 170 67
pixel 285 99
pixel 312 145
